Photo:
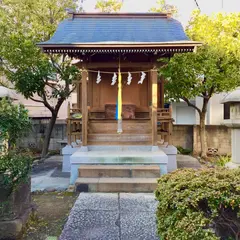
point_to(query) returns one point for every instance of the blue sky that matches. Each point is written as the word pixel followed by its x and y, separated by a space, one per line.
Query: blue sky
pixel 185 7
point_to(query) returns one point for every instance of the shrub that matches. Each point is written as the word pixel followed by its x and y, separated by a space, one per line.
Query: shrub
pixel 14 121
pixel 199 204
pixel 221 161
pixel 184 151
pixel 14 169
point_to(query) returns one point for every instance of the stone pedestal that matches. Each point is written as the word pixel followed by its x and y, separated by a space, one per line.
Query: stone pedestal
pixel 171 152
pixel 236 146
pixel 67 153
pixel 234 122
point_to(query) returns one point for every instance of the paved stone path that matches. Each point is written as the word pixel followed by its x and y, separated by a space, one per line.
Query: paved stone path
pixel 187 161
pixel 49 176
pixel 112 216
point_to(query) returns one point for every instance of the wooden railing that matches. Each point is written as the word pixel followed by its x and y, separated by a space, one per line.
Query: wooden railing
pixel 74 125
pixel 165 125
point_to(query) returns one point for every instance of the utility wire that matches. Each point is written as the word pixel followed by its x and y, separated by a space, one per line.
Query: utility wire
pixel 197 4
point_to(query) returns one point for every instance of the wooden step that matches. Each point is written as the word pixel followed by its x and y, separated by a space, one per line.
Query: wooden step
pixel 116 185
pixel 116 143
pixel 133 126
pixel 134 171
pixel 138 138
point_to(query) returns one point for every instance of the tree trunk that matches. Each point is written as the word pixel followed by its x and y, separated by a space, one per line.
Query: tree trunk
pixel 203 134
pixel 48 134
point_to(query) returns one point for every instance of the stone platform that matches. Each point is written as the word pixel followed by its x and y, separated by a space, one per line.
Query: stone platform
pixel 112 216
pixel 117 155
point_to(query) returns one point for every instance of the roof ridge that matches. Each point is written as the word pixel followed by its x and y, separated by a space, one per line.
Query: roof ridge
pixel 122 15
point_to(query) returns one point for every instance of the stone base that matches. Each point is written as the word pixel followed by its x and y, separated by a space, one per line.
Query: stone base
pixel 171 152
pixel 11 230
pixel 67 153
pixel 232 165
pixel 118 155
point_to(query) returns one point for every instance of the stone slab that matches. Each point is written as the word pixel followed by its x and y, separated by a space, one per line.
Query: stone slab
pixel 138 226
pixel 91 225
pixel 98 201
pixel 119 157
pixel 128 217
pixel 138 202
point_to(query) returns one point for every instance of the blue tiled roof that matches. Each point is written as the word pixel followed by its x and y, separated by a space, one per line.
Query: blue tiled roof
pixel 118 29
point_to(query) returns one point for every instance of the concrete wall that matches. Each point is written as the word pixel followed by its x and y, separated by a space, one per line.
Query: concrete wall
pixel 183 136
pixel 186 136
pixel 218 137
pixel 34 139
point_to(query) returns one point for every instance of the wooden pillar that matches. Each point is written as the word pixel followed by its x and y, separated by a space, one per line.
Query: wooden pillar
pixel 84 107
pixel 154 78
pixel 162 93
pixel 78 95
pixel 69 124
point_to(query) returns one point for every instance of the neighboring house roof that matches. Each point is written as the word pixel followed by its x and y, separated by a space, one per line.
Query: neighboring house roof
pixel 6 92
pixel 148 29
pixel 232 97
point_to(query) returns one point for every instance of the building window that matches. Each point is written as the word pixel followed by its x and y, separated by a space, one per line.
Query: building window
pixel 226 111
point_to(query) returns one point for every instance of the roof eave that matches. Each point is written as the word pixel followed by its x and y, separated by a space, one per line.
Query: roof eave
pixel 121 45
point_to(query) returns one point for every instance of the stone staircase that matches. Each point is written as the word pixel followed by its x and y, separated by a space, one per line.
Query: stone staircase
pixel 117 178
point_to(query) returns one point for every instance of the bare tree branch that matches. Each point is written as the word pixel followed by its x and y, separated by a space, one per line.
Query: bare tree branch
pixel 191 104
pixel 45 102
pixel 36 100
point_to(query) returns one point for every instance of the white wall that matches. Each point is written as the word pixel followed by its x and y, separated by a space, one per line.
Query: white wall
pixel 183 114
pixel 216 109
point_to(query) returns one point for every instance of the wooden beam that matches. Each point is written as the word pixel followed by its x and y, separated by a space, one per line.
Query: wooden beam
pixel 99 65
pixel 154 78
pixel 84 107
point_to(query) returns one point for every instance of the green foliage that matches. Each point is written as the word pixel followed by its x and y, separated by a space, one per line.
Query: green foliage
pixel 199 204
pixel 43 78
pixel 221 161
pixel 184 151
pixel 14 121
pixel 108 5
pixel 221 31
pixel 200 74
pixel 163 7
pixel 215 68
pixel 14 169
pixel 36 20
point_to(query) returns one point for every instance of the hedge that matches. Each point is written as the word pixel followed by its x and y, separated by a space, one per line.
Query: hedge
pixel 199 204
